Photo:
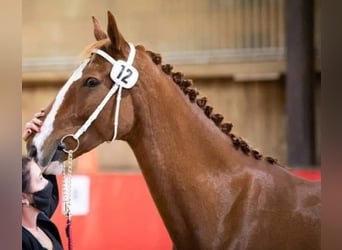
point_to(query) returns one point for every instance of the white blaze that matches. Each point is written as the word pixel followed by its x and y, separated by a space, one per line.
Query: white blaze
pixel 47 126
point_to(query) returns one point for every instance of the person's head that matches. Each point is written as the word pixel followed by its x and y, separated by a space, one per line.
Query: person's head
pixel 32 178
pixel 36 190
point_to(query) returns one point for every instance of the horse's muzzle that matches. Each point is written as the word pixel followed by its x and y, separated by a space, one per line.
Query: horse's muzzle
pixel 32 152
pixel 57 155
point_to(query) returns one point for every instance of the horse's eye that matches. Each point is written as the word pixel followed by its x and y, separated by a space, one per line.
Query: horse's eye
pixel 91 82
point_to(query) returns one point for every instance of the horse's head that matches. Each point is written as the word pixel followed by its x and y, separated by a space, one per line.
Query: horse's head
pixel 66 125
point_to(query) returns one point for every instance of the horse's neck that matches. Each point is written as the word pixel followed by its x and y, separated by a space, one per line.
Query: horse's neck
pixel 172 132
pixel 184 158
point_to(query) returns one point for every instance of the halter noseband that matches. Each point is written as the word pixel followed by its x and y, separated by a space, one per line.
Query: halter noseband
pixel 125 76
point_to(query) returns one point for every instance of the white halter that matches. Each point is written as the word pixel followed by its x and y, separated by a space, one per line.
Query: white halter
pixel 124 75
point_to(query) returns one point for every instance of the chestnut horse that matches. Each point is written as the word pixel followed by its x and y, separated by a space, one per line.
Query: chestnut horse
pixel 211 189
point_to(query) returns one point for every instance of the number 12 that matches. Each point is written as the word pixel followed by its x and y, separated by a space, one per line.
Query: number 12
pixel 128 72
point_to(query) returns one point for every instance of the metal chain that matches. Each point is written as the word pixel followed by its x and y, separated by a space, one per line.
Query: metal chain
pixel 67 173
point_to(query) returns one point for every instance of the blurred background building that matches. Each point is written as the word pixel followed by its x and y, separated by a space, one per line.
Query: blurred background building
pixel 234 50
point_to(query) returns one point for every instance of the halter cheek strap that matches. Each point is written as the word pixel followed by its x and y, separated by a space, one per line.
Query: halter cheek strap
pixel 124 75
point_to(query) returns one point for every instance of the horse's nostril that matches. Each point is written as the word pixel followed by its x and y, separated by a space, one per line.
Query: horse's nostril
pixel 60 146
pixel 32 152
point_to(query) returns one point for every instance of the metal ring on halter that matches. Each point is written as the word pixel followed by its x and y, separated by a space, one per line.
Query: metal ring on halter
pixel 77 145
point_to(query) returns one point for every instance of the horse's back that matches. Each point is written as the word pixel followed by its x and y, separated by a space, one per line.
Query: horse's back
pixel 287 218
pixel 306 226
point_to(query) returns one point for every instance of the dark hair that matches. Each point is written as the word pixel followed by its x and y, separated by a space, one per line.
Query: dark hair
pixel 25 173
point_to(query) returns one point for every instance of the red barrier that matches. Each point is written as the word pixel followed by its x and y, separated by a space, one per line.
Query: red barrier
pixel 310 174
pixel 121 216
pixel 120 213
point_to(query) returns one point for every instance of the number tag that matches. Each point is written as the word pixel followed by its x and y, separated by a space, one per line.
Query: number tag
pixel 124 74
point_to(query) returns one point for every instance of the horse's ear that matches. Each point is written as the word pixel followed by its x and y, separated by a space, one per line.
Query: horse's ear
pixel 98 32
pixel 113 33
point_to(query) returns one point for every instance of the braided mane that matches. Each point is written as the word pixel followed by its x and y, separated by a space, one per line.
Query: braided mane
pixel 186 85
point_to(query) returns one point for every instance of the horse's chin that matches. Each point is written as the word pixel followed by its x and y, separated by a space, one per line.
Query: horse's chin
pixel 54 168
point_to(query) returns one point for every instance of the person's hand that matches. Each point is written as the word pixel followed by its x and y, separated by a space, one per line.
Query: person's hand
pixel 34 125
